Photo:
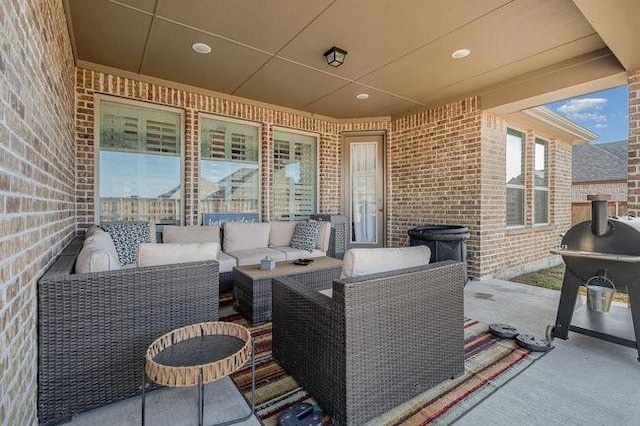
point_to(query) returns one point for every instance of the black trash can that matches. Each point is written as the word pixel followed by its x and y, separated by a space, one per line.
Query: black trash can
pixel 447 242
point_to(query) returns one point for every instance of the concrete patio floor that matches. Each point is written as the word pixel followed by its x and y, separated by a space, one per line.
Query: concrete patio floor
pixel 583 381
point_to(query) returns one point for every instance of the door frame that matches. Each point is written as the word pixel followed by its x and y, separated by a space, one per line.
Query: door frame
pixel 348 137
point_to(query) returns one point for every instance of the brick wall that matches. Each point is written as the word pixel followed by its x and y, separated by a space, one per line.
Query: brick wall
pixel 89 83
pixel 37 179
pixel 445 165
pixel 507 252
pixel 633 181
pixel 433 159
pixel 493 172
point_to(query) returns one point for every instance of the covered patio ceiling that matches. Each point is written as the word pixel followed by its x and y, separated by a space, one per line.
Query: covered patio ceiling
pixel 523 52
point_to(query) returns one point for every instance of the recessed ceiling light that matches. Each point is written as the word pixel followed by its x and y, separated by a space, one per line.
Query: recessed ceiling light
pixel 460 53
pixel 201 48
pixel 362 96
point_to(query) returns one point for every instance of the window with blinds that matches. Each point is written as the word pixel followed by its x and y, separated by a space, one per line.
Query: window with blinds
pixel 139 163
pixel 295 175
pixel 229 168
pixel 136 129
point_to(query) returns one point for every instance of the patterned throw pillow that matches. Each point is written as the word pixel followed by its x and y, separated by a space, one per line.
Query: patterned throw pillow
pixel 126 236
pixel 305 236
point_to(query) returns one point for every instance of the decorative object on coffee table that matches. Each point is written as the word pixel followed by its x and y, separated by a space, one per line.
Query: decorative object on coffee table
pixel 267 264
pixel 199 354
pixel 252 286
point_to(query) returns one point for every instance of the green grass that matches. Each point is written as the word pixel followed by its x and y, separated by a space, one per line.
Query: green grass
pixel 552 278
pixel 547 278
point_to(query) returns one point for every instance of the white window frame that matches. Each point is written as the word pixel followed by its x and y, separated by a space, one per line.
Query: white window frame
pixel 523 187
pixel 305 133
pixel 255 124
pixel 536 188
pixel 98 98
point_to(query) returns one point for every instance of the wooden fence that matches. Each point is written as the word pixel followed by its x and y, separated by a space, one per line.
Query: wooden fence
pixel 581 211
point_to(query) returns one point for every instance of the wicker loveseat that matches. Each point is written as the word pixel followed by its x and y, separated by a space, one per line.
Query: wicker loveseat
pixel 94 328
pixel 378 341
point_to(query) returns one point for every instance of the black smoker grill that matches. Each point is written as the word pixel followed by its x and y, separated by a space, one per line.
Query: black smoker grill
pixel 603 247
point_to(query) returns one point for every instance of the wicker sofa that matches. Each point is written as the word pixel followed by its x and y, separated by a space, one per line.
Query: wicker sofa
pixel 246 243
pixel 378 341
pixel 94 328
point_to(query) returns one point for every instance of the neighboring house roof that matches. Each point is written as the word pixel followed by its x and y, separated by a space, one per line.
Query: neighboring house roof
pixel 620 149
pixel 235 181
pixel 599 162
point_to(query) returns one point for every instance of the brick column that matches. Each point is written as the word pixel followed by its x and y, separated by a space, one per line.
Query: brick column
pixel 633 171
pixel 191 167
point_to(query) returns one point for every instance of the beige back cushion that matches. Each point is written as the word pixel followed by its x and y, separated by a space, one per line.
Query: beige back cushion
pixel 322 243
pixel 358 262
pixel 98 254
pixel 92 230
pixel 281 233
pixel 245 235
pixel 150 254
pixel 190 234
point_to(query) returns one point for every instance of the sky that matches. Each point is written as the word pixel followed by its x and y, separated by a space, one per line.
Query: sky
pixel 605 113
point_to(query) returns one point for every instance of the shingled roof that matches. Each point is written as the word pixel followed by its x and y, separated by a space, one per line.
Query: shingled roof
pixel 599 162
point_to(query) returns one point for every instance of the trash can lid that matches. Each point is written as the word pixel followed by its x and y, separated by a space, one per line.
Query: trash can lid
pixel 429 232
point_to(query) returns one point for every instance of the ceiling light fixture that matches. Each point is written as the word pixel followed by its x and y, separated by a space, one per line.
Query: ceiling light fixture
pixel 362 96
pixel 461 53
pixel 335 56
pixel 201 48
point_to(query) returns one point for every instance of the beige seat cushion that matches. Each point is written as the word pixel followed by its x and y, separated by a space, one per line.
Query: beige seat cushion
pixel 190 234
pixel 281 233
pixel 328 292
pixel 245 236
pixel 254 256
pixel 359 262
pixel 291 253
pixel 226 262
pixel 98 254
pixel 150 254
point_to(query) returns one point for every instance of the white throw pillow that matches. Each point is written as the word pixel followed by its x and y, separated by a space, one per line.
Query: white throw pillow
pixel 358 262
pixel 98 254
pixel 150 254
pixel 281 233
pixel 190 234
pixel 245 235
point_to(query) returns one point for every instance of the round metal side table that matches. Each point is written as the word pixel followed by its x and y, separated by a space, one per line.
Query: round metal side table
pixel 198 354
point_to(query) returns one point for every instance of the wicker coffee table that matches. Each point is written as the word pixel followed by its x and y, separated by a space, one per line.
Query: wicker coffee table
pixel 252 286
pixel 199 354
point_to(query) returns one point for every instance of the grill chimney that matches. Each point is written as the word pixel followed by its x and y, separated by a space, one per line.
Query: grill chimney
pixel 599 223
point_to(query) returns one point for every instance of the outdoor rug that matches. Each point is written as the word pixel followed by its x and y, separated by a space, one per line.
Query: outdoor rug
pixel 489 363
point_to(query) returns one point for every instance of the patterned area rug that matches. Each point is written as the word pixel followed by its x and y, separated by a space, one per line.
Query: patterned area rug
pixel 489 363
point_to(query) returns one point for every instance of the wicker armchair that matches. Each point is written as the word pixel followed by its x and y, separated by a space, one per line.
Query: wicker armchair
pixel 377 342
pixel 94 328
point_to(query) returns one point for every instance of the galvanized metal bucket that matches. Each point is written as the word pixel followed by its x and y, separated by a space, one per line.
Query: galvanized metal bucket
pixel 600 290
